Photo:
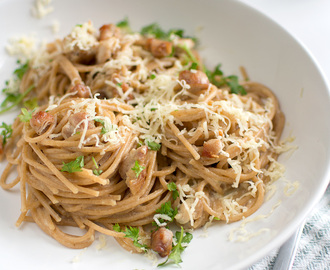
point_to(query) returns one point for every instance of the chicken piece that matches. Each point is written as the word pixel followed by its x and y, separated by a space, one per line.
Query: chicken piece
pixel 183 217
pixel 82 90
pixel 197 80
pixel 104 52
pixel 211 148
pixel 159 48
pixel 76 123
pixel 133 178
pixel 40 121
pixel 161 241
pixel 107 31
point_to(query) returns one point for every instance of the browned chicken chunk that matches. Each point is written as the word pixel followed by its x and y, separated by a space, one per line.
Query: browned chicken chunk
pixel 159 48
pixel 197 80
pixel 161 241
pixel 40 121
pixel 211 148
pixel 134 181
pixel 76 123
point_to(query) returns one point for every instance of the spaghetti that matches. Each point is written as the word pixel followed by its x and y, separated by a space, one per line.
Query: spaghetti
pixel 123 117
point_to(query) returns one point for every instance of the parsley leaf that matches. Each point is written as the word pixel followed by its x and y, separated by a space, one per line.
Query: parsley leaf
pixel 175 256
pixel 74 166
pixel 156 31
pixel 124 25
pixel 6 132
pixel 234 85
pixel 20 71
pixel 166 209
pixel 137 168
pixel 116 227
pixel 152 76
pixel 153 145
pixel 172 187
pixel 104 130
pixel 191 56
pixel 26 115
pixel 194 66
pixel 96 171
pixel 216 77
pixel 14 99
pixel 133 233
pixel 31 103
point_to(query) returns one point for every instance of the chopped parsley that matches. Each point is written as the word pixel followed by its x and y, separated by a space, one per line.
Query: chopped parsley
pixel 172 187
pixel 166 209
pixel 6 132
pixel 96 171
pixel 132 233
pixel 13 99
pixel 31 103
pixel 104 130
pixel 26 115
pixel 124 25
pixel 190 55
pixel 137 168
pixel 216 77
pixel 153 145
pixel 156 31
pixel 194 65
pixel 20 71
pixel 175 255
pixel 74 166
pixel 152 76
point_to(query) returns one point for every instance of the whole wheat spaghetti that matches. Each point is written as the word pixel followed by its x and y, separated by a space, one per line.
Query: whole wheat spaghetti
pixel 128 123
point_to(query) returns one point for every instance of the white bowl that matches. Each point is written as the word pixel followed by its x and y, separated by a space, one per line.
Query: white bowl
pixel 233 34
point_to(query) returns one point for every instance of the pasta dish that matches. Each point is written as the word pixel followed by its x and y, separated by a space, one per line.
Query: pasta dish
pixel 125 133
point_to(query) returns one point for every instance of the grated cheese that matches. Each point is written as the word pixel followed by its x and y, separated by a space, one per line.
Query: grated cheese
pixel 42 8
pixel 83 36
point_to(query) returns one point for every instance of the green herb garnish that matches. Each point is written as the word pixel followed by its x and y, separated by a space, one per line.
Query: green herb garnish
pixel 216 77
pixel 133 233
pixel 152 76
pixel 20 71
pixel 137 168
pixel 96 171
pixel 153 145
pixel 175 256
pixel 194 66
pixel 6 132
pixel 26 115
pixel 124 25
pixel 104 130
pixel 31 103
pixel 156 31
pixel 172 187
pixel 166 209
pixel 74 166
pixel 12 100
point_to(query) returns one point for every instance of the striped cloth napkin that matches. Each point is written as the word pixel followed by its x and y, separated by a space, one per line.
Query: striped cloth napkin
pixel 313 251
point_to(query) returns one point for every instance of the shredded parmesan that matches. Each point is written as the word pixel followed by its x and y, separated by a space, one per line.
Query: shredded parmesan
pixel 42 8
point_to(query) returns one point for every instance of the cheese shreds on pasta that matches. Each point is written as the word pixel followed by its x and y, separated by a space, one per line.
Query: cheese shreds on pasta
pixel 131 133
